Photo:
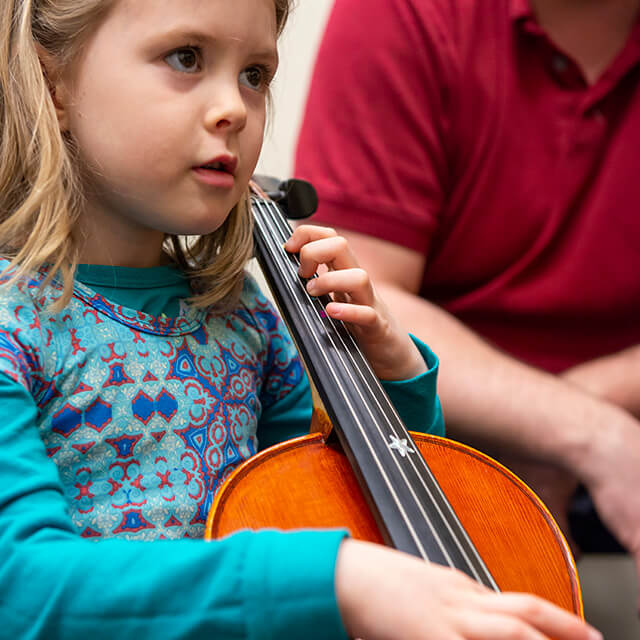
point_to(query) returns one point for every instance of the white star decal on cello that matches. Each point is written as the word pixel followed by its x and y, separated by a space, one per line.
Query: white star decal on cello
pixel 401 445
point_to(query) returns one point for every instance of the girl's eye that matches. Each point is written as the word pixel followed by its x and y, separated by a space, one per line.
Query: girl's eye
pixel 185 60
pixel 255 78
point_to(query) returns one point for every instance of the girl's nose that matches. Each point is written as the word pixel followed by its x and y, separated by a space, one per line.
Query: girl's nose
pixel 227 109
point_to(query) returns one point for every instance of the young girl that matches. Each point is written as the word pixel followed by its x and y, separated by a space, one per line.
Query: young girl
pixel 138 367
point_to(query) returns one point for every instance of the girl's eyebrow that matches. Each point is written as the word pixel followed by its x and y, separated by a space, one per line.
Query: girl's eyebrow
pixel 193 36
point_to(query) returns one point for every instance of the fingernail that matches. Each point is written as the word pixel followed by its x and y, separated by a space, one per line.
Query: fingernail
pixel 311 285
pixel 595 635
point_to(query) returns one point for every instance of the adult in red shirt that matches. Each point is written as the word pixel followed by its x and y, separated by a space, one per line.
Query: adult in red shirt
pixel 482 159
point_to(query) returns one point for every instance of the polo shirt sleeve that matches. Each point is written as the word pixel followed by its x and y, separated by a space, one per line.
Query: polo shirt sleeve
pixel 379 108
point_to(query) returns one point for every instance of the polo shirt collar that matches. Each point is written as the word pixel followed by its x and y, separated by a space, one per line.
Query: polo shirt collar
pixel 522 16
pixel 521 10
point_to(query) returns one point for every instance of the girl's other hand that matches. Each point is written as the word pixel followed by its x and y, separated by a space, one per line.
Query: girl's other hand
pixel 388 348
pixel 387 595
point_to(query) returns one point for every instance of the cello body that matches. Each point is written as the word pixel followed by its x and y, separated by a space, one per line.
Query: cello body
pixel 308 483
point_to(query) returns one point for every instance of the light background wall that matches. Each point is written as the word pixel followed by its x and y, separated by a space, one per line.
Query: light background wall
pixel 297 51
pixel 608 582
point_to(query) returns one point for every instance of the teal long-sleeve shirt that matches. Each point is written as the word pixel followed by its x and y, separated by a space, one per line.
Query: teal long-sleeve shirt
pixel 55 583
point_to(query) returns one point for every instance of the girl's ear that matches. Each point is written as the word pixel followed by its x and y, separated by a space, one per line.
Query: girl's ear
pixel 57 88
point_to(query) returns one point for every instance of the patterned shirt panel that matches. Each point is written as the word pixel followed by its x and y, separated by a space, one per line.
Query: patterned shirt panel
pixel 144 416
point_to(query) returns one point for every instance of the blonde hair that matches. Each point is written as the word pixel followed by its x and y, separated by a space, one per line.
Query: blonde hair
pixel 40 194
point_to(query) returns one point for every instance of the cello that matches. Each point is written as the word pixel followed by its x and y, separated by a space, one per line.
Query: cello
pixel 360 468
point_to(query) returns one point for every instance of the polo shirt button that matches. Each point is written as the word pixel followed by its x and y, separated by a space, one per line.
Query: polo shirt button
pixel 559 63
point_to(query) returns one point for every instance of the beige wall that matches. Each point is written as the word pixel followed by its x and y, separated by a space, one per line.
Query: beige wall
pixel 297 50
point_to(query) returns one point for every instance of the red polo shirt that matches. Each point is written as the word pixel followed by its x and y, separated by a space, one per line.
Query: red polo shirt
pixel 458 129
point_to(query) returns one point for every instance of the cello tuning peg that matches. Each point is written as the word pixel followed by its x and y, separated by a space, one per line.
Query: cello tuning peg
pixel 297 198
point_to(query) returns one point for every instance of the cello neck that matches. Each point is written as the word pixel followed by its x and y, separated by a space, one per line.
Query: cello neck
pixel 410 509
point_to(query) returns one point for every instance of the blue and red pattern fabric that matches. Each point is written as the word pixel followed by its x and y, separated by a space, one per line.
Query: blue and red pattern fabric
pixel 144 416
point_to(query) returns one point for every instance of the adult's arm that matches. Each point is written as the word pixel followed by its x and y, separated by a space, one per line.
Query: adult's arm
pixel 492 400
pixel 614 378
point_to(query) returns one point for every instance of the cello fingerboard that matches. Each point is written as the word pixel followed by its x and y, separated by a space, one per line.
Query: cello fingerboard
pixel 409 506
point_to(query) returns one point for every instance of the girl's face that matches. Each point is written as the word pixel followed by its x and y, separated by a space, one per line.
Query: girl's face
pixel 167 106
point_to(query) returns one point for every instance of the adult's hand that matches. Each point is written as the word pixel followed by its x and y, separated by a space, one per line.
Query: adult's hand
pixel 610 469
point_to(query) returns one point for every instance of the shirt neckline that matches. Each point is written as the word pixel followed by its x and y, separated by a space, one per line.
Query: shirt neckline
pixel 189 320
pixel 130 277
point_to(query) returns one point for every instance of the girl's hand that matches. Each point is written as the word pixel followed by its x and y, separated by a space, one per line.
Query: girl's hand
pixel 388 348
pixel 387 595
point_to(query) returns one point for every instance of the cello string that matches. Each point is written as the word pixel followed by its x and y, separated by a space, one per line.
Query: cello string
pixel 364 433
pixel 354 352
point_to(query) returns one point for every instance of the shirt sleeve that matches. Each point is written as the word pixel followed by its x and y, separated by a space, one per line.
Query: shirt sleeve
pixel 56 584
pixel 378 111
pixel 416 400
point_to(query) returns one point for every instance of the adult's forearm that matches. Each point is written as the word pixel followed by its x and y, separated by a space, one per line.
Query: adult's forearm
pixel 490 399
pixel 614 378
